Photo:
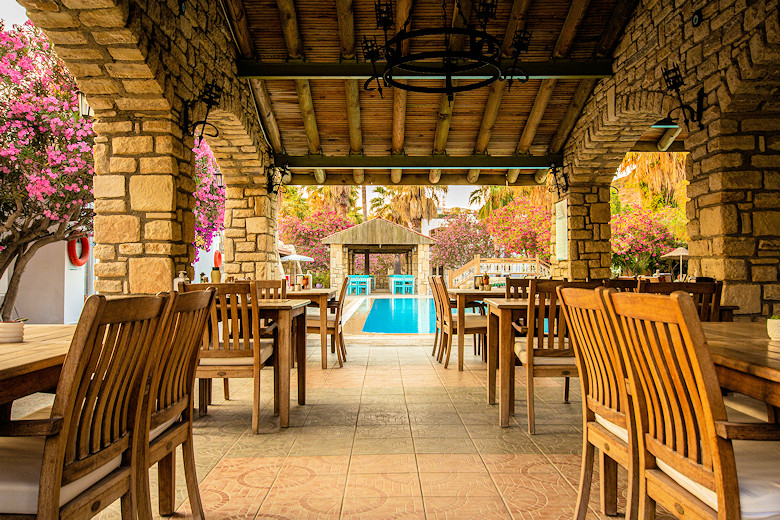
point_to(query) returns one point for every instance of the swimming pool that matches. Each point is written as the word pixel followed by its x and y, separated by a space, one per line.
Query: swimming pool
pixel 400 316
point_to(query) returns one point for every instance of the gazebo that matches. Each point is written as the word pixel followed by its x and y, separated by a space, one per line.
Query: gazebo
pixel 380 236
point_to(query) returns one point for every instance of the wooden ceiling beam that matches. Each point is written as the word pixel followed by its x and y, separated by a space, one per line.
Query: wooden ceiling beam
pixel 620 14
pixel 422 162
pixel 563 45
pixel 292 35
pixel 459 19
pixel 402 13
pixel 380 178
pixel 346 22
pixel 267 117
pixel 516 23
pixel 551 69
pixel 652 146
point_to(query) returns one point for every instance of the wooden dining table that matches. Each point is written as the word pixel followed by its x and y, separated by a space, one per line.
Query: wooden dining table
pixel 33 365
pixel 746 360
pixel 319 298
pixel 463 297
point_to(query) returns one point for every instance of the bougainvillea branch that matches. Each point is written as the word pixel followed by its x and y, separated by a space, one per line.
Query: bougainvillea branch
pixel 459 240
pixel 209 198
pixel 522 227
pixel 45 154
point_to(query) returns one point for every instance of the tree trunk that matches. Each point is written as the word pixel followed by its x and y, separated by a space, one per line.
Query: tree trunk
pixel 364 194
pixel 13 284
pixel 417 224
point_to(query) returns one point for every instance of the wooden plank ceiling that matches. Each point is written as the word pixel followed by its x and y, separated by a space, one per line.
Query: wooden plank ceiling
pixel 332 131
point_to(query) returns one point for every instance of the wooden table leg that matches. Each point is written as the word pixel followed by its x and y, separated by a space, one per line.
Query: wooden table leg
pixel 492 355
pixel 300 348
pixel 506 377
pixel 461 328
pixel 284 352
pixel 5 412
pixel 323 302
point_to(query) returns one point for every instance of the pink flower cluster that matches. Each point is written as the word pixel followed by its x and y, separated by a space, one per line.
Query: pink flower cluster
pixel 209 197
pixel 461 238
pixel 306 235
pixel 522 228
pixel 45 146
pixel 639 238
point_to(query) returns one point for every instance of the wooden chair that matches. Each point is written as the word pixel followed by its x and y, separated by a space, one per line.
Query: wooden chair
pixel 335 327
pixel 706 295
pixel 474 323
pixel 437 306
pixel 233 345
pixel 266 290
pixel 84 454
pixel 622 284
pixel 546 351
pixel 607 422
pixel 517 288
pixel 692 460
pixel 170 402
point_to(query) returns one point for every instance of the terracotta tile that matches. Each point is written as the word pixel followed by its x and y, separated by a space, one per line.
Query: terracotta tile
pixel 383 485
pixel 397 463
pixel 458 508
pixel 315 465
pixel 457 484
pixel 461 463
pixel 397 508
pixel 304 507
pixel 294 486
pixel 515 462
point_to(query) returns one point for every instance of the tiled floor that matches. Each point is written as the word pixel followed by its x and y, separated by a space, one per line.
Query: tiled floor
pixel 392 435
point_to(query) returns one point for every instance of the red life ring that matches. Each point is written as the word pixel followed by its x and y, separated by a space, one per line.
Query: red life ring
pixel 217 258
pixel 75 259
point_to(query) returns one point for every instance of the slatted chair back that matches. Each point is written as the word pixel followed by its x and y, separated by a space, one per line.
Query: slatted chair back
pixel 271 289
pixel 341 300
pixel 547 334
pixel 99 391
pixel 517 288
pixel 622 284
pixel 705 295
pixel 676 397
pixel 432 281
pixel 602 374
pixel 176 359
pixel 233 323
pixel 444 302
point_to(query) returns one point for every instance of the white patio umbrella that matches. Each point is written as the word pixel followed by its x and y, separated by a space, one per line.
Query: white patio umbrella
pixel 681 252
pixel 297 259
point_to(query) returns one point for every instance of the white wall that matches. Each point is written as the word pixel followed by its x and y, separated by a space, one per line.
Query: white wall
pixel 52 289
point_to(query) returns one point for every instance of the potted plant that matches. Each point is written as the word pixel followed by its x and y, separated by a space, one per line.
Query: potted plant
pixel 773 327
pixel 12 331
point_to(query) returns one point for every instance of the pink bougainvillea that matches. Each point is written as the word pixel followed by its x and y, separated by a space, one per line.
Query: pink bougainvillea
pixel 306 236
pixel 639 238
pixel 459 240
pixel 45 153
pixel 209 197
pixel 522 228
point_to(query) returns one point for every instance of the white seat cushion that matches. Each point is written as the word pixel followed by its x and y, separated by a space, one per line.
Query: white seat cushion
pixel 155 432
pixel 20 473
pixel 758 473
pixel 266 349
pixel 614 429
pixel 747 407
pixel 520 352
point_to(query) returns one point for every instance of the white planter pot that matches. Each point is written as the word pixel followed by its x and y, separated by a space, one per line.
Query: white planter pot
pixel 12 332
pixel 773 329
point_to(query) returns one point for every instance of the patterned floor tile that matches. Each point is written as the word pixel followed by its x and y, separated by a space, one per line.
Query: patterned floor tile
pixel 383 463
pixel 458 508
pixel 396 508
pixel 456 484
pixel 312 486
pixel 383 485
pixel 311 508
pixel 460 463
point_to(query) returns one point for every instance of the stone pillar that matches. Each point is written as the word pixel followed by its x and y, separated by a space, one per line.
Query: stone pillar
pixel 590 253
pixel 734 209
pixel 144 225
pixel 423 266
pixel 250 233
pixel 337 269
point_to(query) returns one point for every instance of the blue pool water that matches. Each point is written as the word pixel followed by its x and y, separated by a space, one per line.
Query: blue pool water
pixel 401 316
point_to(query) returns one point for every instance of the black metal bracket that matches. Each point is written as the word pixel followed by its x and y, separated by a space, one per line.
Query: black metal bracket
pixel 210 96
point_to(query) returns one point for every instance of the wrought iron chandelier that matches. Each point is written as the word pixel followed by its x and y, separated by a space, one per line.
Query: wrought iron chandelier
pixel 479 54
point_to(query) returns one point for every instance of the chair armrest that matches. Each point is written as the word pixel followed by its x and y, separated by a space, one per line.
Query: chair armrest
pixel 268 329
pixel 31 427
pixel 748 431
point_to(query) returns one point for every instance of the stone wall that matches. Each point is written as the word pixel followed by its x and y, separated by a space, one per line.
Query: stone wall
pixel 734 211
pixel 143 66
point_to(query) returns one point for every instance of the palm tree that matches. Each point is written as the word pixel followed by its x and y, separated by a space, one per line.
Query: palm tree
pixel 408 205
pixel 491 198
pixel 659 176
pixel 364 195
pixel 338 198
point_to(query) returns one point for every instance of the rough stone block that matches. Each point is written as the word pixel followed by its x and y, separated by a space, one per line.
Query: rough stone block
pixel 104 252
pixel 747 296
pixel 129 70
pixel 132 145
pixel 111 17
pixel 110 206
pixel 142 86
pixel 126 53
pixel 115 229
pixel 108 186
pixel 257 225
pixel 150 275
pixel 110 269
pixel 764 273
pixel 766 223
pixel 718 220
pixel 164 164
pixel 162 230
pixel 131 249
pixel 52 19
pixel 152 193
pixel 108 286
pixel 122 165
pixel 143 104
